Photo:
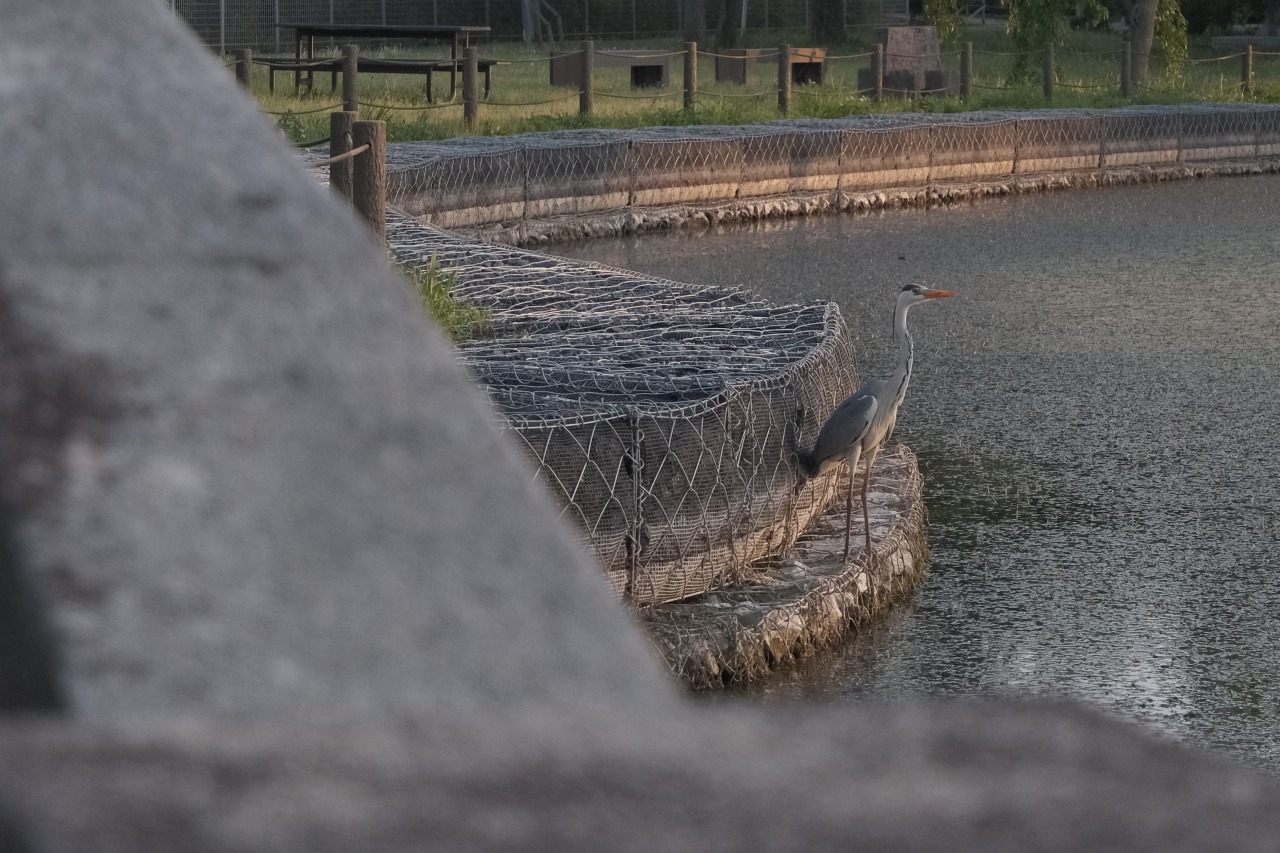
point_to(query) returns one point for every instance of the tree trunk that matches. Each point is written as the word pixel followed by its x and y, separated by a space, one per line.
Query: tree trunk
pixel 1142 35
pixel 728 23
pixel 828 22
pixel 695 20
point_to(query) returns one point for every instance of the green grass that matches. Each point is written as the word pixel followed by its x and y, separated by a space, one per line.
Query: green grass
pixel 1087 75
pixel 460 321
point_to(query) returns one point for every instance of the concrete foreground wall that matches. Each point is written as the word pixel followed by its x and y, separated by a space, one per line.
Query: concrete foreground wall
pixel 469 183
pixel 273 581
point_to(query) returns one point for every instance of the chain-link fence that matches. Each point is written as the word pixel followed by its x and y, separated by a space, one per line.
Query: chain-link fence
pixel 262 24
pixel 664 418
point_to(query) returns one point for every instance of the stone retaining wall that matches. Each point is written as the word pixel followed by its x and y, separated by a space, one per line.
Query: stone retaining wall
pixel 811 599
pixel 498 185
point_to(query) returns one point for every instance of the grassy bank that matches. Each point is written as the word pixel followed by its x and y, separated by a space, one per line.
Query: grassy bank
pixel 522 99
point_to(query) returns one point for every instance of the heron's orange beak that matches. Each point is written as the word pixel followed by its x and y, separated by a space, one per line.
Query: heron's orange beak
pixel 938 294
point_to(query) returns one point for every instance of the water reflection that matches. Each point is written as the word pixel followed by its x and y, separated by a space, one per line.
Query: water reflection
pixel 1096 420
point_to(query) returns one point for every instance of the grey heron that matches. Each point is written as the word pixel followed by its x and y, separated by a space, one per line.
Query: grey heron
pixel 860 426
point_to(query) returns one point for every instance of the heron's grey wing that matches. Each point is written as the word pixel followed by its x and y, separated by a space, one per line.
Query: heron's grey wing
pixel 847 424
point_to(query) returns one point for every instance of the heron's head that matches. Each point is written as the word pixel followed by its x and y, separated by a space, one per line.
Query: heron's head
pixel 913 293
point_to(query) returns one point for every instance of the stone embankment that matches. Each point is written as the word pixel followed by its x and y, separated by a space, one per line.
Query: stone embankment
pixel 809 600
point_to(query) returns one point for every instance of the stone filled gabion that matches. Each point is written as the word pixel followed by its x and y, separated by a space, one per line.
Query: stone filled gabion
pixel 664 418
pixel 810 599
pixel 537 188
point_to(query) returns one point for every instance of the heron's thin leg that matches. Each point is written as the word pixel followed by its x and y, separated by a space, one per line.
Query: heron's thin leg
pixel 866 517
pixel 848 511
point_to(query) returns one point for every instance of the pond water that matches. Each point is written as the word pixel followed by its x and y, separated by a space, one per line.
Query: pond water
pixel 1098 419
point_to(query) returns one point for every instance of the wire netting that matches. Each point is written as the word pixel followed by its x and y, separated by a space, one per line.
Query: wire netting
pixel 470 182
pixel 664 418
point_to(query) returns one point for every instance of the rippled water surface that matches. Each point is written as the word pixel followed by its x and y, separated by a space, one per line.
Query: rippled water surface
pixel 1097 418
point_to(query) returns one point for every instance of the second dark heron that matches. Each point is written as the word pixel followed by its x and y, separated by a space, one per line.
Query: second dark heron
pixel 860 426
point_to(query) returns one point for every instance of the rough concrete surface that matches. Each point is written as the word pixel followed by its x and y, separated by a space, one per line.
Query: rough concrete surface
pixel 298 594
pixel 247 475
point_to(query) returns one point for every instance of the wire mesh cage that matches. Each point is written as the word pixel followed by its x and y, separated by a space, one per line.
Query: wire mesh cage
pixel 664 418
pixel 463 183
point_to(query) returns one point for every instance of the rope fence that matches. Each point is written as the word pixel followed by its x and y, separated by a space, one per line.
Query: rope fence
pixel 555 100
pixel 845 56
pixel 411 108
pixel 340 158
pixel 598 93
pixel 325 109
pixel 763 94
pixel 589 75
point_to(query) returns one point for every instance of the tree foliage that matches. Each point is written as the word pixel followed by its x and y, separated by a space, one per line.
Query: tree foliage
pixel 1157 22
pixel 1035 23
pixel 1171 35
pixel 945 17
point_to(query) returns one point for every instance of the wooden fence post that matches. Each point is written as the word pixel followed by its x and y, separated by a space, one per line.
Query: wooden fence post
pixel 966 70
pixel 470 87
pixel 350 66
pixel 690 73
pixel 340 143
pixel 877 72
pixel 369 175
pixel 1126 69
pixel 784 79
pixel 1246 70
pixel 1048 72
pixel 244 67
pixel 588 65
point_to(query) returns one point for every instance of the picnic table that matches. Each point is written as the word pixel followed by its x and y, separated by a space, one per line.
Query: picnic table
pixel 456 36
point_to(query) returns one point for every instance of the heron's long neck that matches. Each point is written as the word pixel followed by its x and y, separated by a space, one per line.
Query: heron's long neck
pixel 906 355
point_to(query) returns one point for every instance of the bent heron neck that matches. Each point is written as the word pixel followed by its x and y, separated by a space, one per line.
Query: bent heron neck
pixel 906 353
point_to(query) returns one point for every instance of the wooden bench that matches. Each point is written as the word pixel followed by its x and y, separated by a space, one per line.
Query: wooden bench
pixel 369 65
